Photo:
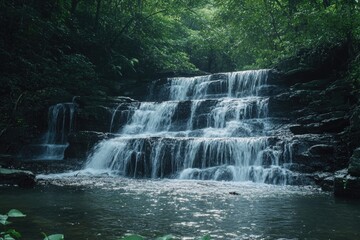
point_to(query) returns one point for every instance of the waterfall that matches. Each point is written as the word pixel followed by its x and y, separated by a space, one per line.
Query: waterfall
pixel 54 142
pixel 210 127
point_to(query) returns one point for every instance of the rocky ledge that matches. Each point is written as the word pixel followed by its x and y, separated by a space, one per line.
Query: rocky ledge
pixel 347 181
pixel 24 179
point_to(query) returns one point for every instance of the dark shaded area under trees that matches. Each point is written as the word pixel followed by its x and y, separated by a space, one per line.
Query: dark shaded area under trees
pixel 53 50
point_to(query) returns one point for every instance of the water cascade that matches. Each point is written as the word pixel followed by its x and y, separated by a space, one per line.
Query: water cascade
pixel 213 127
pixel 54 142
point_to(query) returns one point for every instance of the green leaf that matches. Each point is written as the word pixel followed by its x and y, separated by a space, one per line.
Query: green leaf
pixel 8 237
pixel 3 219
pixel 55 237
pixel 167 237
pixel 206 237
pixel 13 233
pixel 15 213
pixel 133 237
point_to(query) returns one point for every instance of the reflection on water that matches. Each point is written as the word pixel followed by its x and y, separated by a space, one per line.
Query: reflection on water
pixel 85 207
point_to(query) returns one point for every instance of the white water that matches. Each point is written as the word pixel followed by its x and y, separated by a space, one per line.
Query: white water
pixel 212 128
pixel 60 124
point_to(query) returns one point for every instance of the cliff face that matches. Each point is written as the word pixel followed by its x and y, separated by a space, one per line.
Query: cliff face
pixel 320 106
pixel 316 113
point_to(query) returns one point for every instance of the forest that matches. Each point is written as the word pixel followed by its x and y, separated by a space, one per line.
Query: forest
pixel 94 47
pixel 221 119
pixel 84 47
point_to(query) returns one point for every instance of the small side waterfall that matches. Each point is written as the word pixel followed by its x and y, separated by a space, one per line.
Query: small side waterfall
pixel 211 127
pixel 54 143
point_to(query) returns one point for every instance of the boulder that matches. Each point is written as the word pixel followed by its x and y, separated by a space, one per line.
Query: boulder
pixel 321 149
pixel 25 179
pixel 346 185
pixel 324 179
pixel 80 143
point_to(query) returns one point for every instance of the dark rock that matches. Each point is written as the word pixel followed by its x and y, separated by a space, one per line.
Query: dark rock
pixel 324 179
pixel 339 93
pixel 300 74
pixel 354 129
pixel 311 153
pixel 80 143
pixel 217 87
pixel 315 118
pixel 333 125
pixel 97 113
pixel 354 165
pixel 269 90
pixel 312 85
pixel 290 102
pixel 321 149
pixel 181 116
pixel 218 76
pixel 234 193
pixel 298 129
pixel 346 185
pixel 96 118
pixel 21 178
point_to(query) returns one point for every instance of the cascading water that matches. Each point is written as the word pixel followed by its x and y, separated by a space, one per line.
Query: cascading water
pixel 60 124
pixel 211 128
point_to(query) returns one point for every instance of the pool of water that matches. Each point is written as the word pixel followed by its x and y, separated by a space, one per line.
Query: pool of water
pixel 88 207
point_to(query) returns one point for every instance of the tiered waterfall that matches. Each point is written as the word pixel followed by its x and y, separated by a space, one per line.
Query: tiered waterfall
pixel 213 127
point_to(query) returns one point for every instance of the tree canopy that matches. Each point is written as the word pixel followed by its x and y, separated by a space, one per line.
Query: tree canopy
pixel 84 47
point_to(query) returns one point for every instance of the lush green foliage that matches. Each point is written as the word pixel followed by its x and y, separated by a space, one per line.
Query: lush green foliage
pixel 269 30
pixel 12 234
pixel 52 50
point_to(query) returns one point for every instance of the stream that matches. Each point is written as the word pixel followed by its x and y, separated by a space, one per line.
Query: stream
pixel 108 207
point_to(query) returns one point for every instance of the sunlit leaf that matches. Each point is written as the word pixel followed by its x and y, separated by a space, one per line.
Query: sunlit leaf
pixel 3 219
pixel 8 237
pixel 55 237
pixel 15 213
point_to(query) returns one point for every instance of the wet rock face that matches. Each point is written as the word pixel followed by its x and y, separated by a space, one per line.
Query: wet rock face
pixel 24 179
pixel 312 107
pixel 354 165
pixel 317 109
pixel 80 143
pixel 323 127
pixel 346 185
pixel 98 113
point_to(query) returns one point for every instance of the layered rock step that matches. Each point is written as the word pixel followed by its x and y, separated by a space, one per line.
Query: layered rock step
pixel 214 127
